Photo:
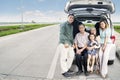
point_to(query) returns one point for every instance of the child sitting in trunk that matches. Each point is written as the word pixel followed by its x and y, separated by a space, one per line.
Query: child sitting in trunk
pixel 92 47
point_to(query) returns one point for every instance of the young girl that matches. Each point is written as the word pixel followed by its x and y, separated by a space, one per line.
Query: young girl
pixel 92 47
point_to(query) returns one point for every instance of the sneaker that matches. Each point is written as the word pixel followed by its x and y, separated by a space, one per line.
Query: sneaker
pixel 70 71
pixel 86 73
pixel 79 72
pixel 66 74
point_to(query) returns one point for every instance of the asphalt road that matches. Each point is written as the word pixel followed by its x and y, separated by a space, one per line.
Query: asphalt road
pixel 31 56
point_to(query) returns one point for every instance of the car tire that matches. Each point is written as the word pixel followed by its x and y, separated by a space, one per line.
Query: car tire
pixel 110 62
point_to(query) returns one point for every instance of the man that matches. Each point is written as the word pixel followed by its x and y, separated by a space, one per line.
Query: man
pixel 65 46
pixel 80 41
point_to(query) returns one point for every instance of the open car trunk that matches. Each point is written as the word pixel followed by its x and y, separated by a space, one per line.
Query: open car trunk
pixel 91 10
pixel 106 5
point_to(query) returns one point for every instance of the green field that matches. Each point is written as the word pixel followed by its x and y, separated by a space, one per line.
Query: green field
pixel 7 30
pixel 116 27
pixel 89 25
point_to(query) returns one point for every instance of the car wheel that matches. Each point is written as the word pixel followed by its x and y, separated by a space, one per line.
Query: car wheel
pixel 110 62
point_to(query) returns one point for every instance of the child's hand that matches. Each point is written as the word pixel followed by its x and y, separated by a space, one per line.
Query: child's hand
pixel 96 46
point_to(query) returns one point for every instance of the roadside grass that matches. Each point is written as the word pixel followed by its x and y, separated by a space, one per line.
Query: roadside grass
pixel 117 28
pixel 7 30
pixel 89 25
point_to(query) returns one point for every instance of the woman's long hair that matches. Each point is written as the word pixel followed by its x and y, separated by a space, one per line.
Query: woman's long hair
pixel 106 24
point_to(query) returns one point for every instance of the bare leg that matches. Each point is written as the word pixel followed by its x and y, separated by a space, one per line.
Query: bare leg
pixel 97 68
pixel 88 61
pixel 93 62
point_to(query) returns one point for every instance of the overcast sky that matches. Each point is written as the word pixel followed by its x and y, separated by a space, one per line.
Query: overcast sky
pixel 39 10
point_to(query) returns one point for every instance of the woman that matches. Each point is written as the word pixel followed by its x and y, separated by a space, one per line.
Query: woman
pixel 105 48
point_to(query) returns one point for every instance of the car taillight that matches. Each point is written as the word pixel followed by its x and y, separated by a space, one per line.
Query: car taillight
pixel 113 39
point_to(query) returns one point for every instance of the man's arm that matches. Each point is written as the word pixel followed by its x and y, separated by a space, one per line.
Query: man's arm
pixel 63 38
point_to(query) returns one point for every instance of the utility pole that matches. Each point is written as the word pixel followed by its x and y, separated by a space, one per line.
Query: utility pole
pixel 22 24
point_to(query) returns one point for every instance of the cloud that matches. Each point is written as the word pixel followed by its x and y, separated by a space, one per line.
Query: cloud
pixel 9 18
pixel 48 16
pixel 115 18
pixel 37 16
pixel 41 0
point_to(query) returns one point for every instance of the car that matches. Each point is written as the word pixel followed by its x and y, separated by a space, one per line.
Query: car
pixel 94 11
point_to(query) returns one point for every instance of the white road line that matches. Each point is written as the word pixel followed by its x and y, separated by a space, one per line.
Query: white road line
pixel 53 65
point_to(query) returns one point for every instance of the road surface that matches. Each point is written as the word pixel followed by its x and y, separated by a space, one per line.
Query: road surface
pixel 31 56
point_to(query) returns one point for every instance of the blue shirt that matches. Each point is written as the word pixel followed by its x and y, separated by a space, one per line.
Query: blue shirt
pixel 103 34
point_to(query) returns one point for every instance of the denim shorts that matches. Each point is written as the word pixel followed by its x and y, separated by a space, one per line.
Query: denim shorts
pixel 92 52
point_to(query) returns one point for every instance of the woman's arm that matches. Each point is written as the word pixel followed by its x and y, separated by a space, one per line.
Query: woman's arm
pixel 77 50
pixel 105 42
pixel 76 47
